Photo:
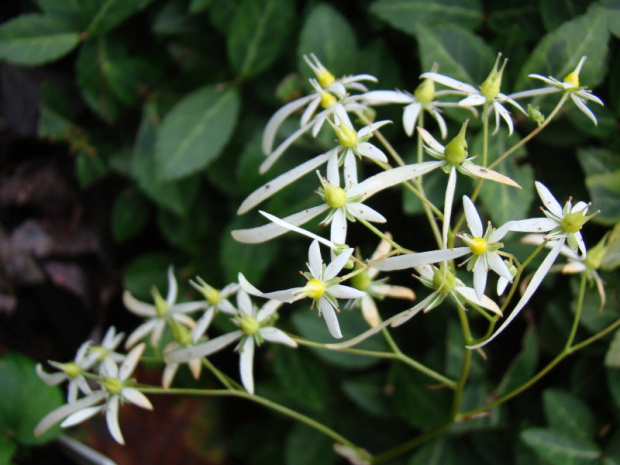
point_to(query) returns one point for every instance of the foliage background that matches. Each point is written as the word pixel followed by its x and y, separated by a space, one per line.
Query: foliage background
pixel 131 132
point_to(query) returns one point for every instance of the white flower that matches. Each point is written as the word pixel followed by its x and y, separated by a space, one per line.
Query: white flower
pixel 329 93
pixel 563 225
pixel 578 94
pixel 323 287
pixel 216 300
pixel 158 313
pixel 487 93
pixel 117 389
pixel 342 203
pixel 255 327
pixel 71 371
pixel 111 341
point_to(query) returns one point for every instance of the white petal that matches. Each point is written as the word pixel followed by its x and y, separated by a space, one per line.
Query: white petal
pixel 583 107
pixel 275 185
pixel 505 114
pixel 309 111
pixel 480 277
pixel 284 296
pixel 329 314
pixel 589 96
pixel 534 225
pixel 187 307
pixel 111 417
pixel 548 199
pixel 424 258
pixel 140 332
pixel 440 122
pixel 344 292
pixel 50 379
pixel 337 264
pixel 270 307
pixel 473 218
pixel 382 97
pixel 137 398
pixel 271 230
pixel 487 173
pixel 246 364
pixel 338 230
pixel 390 178
pixel 537 278
pixel 499 233
pixel 65 410
pixel 272 334
pixel 449 82
pixel 534 92
pixel 472 100
pixel 278 118
pixel 289 226
pixel 484 302
pixel 333 174
pixel 277 153
pixel 410 117
pixel 431 141
pixel 130 362
pixel 203 324
pixel 244 304
pixel 350 170
pixel 369 150
pixel 173 288
pixel 80 416
pixel 136 306
pixel 158 331
pixel 497 264
pixel 203 350
pixel 169 372
pixel 315 261
pixel 368 130
pixel 447 209
pixel 370 312
pixel 359 210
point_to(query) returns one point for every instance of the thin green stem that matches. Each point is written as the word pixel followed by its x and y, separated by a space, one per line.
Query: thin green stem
pixel 485 133
pixel 411 444
pixel 383 236
pixel 228 383
pixel 573 330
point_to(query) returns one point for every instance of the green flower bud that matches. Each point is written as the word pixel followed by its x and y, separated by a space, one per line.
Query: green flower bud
pixel 361 281
pixel 573 222
pixel 113 385
pixel 425 92
pixel 347 137
pixel 443 280
pixel 456 150
pixel 160 303
pixel 491 86
pixel 596 254
pixel 249 325
pixel 535 114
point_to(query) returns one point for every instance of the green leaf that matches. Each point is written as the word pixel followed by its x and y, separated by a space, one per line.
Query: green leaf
pixel 196 6
pixel 459 52
pixel 612 257
pixel 515 17
pixel 523 367
pixel 89 168
pixel 328 35
pixel 7 450
pixel 368 391
pixel 34 39
pixel 437 452
pixel 405 15
pixel 612 357
pixel 605 194
pixel 25 400
pixel 568 414
pixel 146 271
pixel 186 232
pixel 307 446
pixel 104 15
pixel 597 160
pixel 301 376
pixel 129 215
pixel 592 317
pixel 558 53
pixel 555 12
pixel 257 34
pixel 613 15
pixel 56 117
pixel 558 448
pixel 504 202
pixel 195 131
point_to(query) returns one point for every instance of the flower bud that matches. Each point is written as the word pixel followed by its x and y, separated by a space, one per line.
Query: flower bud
pixel 443 280
pixel 210 294
pixel 573 222
pixel 160 303
pixel 347 137
pixel 114 386
pixel 425 92
pixel 456 150
pixel 596 254
pixel 249 325
pixel 361 281
pixel 491 86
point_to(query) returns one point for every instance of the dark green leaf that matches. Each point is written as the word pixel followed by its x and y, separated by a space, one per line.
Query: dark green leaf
pixel 405 15
pixel 146 271
pixel 511 17
pixel 89 168
pixel 611 261
pixel 7 450
pixel 196 6
pixel 558 53
pixel 257 34
pixel 612 357
pixel 460 53
pixel 33 39
pixel 105 15
pixel 437 452
pixel 369 392
pixel 302 377
pixel 328 35
pixel 129 215
pixel 605 194
pixel 307 446
pixel 555 12
pixel 613 15
pixel 560 449
pixel 195 131
pixel 186 232
pixel 503 202
pixel 25 400
pixel 597 160
pixel 523 367
pixel 568 414
pixel 172 19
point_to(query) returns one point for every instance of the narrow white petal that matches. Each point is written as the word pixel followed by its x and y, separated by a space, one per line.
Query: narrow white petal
pixel 289 226
pixel 396 292
pixel 534 92
pixel 431 141
pixel 537 239
pixel 424 258
pixel 589 96
pixel 187 307
pixel 271 230
pixel 50 379
pixel 537 278
pixel 130 362
pixel 534 225
pixel 370 312
pixel 203 350
pixel 270 307
pixel 473 218
pixel 449 82
pixel 392 177
pixel 140 332
pixel 333 174
pixel 350 170
pixel 111 417
pixel 277 153
pixel 371 151
pixel 136 306
pixel 345 292
pixel 405 316
pixel 278 118
pixel 315 261
pixel 505 114
pixel 309 111
pixel 203 324
pixel 338 229
pixel 410 117
pixel 173 288
pixel 443 128
pixel 499 233
pixel 497 264
pixel 583 107
pixel 80 416
pixel 359 210
pixel 368 130
pixel 272 334
pixel 487 173
pixel 484 302
pixel 137 398
pixel 158 331
pixel 382 97
pixel 362 337
pixel 65 410
pixel 329 314
pixel 267 190
pixel 501 285
pixel 169 372
pixel 246 364
pixel 447 209
pixel 284 296
pixel 548 80
pixel 337 264
pixel 480 277
pixel 472 100
pixel 548 199
pixel 244 304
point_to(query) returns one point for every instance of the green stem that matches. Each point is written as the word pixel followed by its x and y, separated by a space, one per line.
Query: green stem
pixel 228 383
pixel 573 331
pixel 383 236
pixel 411 444
pixel 485 133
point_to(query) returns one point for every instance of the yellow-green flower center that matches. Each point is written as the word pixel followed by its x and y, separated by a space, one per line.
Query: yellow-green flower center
pixel 425 92
pixel 212 295
pixel 181 333
pixel 325 78
pixel 572 222
pixel 249 325
pixel 160 303
pixel 335 197
pixel 443 281
pixel 456 150
pixel 478 245
pixel 71 369
pixel 347 137
pixel 328 100
pixel 113 385
pixel 314 288
pixel 101 352
pixel 572 79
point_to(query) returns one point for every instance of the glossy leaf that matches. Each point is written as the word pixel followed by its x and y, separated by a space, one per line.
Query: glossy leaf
pixel 597 160
pixel 558 448
pixel 195 131
pixel 105 15
pixel 258 33
pixel 405 15
pixel 568 414
pixel 559 51
pixel 146 271
pixel 301 376
pixel 459 53
pixel 555 12
pixel 34 39
pixel 605 194
pixel 56 116
pixel 369 392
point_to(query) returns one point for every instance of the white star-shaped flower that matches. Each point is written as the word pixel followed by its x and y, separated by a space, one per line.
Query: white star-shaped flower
pixel 254 328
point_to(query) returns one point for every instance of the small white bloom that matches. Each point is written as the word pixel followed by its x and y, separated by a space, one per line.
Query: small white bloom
pixel 488 93
pixel 255 327
pixel 116 389
pixel 158 312
pixel 323 287
pixel 109 344
pixel 580 95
